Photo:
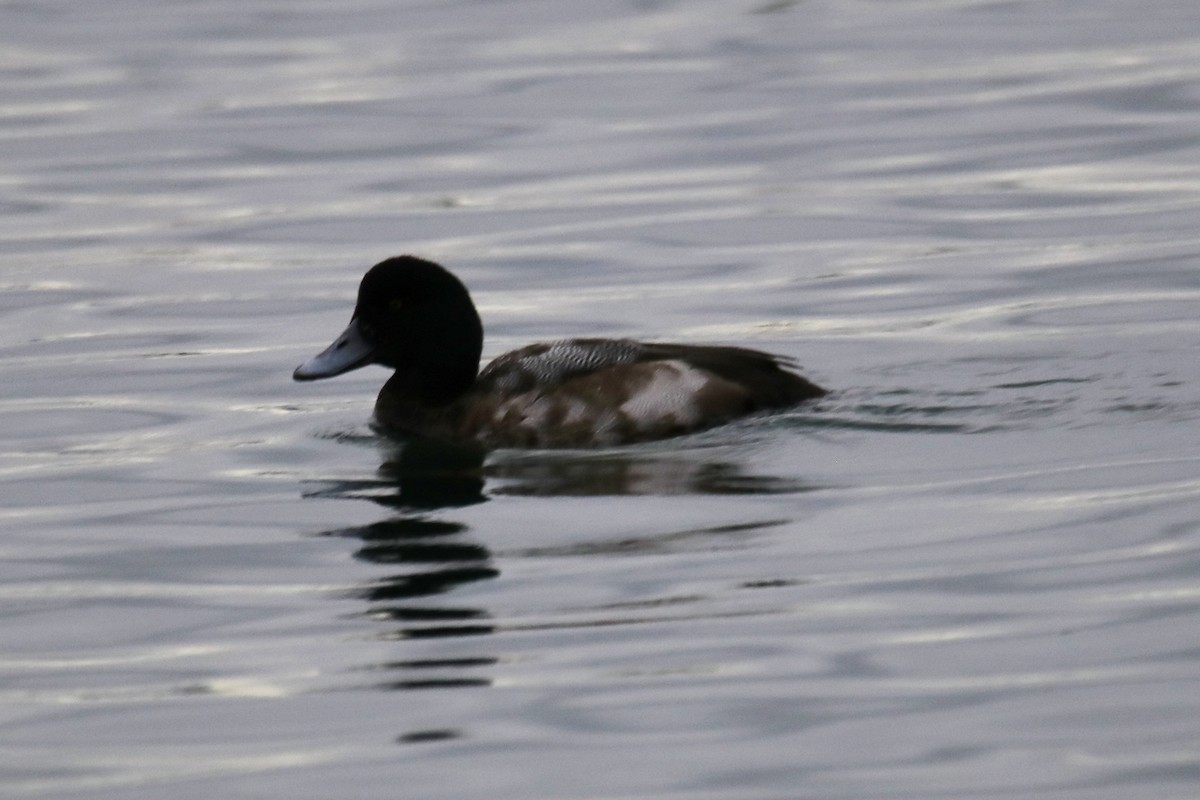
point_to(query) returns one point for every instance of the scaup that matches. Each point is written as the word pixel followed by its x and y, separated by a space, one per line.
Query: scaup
pixel 417 318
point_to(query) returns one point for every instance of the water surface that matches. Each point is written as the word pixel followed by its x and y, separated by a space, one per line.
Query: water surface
pixel 972 570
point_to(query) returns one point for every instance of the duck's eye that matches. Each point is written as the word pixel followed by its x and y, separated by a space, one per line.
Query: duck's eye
pixel 395 305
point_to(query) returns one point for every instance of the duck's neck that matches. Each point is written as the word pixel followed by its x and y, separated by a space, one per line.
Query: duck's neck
pixel 430 386
pixel 400 407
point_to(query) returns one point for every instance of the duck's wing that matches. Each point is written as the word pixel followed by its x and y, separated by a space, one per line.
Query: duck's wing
pixel 765 378
pixel 552 363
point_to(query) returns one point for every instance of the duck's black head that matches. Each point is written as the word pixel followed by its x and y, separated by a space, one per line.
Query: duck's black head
pixel 415 317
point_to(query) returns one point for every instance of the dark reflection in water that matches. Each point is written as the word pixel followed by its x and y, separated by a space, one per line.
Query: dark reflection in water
pixel 414 480
pixel 584 474
pixel 424 556
pixel 717 537
pixel 435 735
pixel 417 476
pixel 440 567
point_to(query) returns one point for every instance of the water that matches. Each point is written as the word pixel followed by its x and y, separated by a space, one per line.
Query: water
pixel 971 571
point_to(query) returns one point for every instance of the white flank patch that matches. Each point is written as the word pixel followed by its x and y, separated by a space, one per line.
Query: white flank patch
pixel 668 396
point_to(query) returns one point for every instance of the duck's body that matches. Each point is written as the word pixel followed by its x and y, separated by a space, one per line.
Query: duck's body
pixel 416 317
pixel 596 392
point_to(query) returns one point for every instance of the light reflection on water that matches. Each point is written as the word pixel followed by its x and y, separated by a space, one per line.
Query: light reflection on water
pixel 971 570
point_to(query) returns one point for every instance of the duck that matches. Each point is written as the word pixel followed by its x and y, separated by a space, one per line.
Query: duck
pixel 415 317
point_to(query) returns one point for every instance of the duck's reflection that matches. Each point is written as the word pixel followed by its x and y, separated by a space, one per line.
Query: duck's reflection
pixel 582 474
pixel 426 558
pixel 417 476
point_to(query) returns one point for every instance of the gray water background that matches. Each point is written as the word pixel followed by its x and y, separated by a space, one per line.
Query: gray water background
pixel 972 571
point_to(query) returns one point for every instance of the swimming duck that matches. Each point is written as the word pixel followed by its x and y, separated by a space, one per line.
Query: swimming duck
pixel 417 318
